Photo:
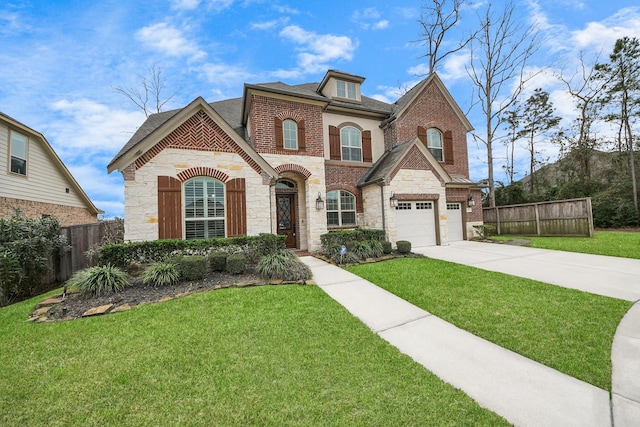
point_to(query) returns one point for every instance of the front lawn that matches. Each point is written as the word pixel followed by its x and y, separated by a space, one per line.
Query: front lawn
pixel 565 329
pixel 612 243
pixel 270 355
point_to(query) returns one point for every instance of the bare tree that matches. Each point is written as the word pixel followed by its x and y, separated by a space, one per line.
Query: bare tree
pixel 149 96
pixel 499 54
pixel 585 88
pixel 438 19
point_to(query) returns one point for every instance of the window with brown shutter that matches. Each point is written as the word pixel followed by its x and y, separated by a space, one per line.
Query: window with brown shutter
pixel 367 155
pixel 448 147
pixel 169 208
pixel 422 135
pixel 236 208
pixel 278 132
pixel 334 143
pixel 301 136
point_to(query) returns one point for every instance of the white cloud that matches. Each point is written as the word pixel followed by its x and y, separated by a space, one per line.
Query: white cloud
pixel 227 75
pixel 170 40
pixel 217 5
pixel 603 34
pixel 269 25
pixel 369 18
pixel 317 50
pixel 286 9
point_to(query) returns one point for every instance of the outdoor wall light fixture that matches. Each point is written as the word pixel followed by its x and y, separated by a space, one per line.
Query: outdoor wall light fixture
pixel 470 201
pixel 393 200
pixel 319 202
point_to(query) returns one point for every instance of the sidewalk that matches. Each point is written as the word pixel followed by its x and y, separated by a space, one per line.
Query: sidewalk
pixel 525 392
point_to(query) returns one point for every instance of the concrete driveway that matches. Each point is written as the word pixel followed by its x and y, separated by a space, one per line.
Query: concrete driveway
pixel 602 275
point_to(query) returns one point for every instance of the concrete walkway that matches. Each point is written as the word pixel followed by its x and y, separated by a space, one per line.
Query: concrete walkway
pixel 524 392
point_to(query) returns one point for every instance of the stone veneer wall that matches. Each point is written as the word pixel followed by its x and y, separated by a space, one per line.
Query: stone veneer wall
pixel 311 222
pixel 141 189
pixel 412 181
pixel 67 215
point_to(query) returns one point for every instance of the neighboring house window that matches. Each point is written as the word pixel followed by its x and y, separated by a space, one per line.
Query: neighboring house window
pixel 351 144
pixel 434 144
pixel 346 89
pixel 341 208
pixel 18 153
pixel 290 129
pixel 204 208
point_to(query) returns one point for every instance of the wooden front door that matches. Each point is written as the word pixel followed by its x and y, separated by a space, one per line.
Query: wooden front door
pixel 287 219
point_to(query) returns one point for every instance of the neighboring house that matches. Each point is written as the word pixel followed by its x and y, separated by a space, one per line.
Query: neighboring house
pixel 301 160
pixel 34 179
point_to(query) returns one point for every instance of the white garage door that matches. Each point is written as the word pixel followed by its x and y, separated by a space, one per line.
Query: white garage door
pixel 416 223
pixel 454 222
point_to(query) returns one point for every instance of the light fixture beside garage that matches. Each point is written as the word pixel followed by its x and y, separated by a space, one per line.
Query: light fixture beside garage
pixel 393 200
pixel 319 202
pixel 470 201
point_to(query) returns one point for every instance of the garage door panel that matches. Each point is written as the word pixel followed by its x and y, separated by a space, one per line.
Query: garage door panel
pixel 416 223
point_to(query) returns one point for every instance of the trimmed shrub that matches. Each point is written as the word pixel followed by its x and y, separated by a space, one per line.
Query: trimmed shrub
pixel 387 248
pixel 270 243
pixel 343 237
pixel 404 246
pixel 236 263
pixel 161 274
pixel 218 261
pixel 283 265
pixel 99 280
pixel 193 267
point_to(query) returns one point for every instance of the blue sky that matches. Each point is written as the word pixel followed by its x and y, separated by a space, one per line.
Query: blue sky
pixel 60 61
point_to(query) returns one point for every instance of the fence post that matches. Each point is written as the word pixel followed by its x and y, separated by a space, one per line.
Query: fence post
pixel 497 220
pixel 538 230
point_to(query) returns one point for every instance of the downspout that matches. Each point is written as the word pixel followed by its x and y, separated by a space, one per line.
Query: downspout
pixel 384 226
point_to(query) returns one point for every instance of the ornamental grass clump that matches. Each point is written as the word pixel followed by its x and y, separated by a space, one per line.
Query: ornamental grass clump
pixel 283 265
pixel 161 274
pixel 99 280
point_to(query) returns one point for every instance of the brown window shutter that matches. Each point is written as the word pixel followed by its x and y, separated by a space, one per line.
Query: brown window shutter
pixel 302 145
pixel 448 147
pixel 169 208
pixel 334 143
pixel 278 132
pixel 422 135
pixel 367 155
pixel 236 208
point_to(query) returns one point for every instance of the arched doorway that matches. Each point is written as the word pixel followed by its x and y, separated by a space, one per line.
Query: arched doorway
pixel 287 212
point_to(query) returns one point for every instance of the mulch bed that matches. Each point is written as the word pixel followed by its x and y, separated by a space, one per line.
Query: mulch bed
pixel 75 305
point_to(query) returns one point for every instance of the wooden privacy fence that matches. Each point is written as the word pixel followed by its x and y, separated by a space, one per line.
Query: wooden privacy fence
pixel 559 218
pixel 81 238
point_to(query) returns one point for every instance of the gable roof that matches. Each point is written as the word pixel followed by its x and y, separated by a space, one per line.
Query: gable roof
pixel 407 99
pixel 57 162
pixel 158 126
pixel 382 170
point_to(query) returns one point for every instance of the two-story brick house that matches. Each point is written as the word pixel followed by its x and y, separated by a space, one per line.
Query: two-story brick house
pixel 301 160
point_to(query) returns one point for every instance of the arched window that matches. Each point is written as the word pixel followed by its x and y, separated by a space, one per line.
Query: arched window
pixel 341 208
pixel 290 130
pixel 204 208
pixel 351 143
pixel 434 143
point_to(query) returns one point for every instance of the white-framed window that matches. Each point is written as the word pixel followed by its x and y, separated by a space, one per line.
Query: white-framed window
pixel 204 206
pixel 424 205
pixel 351 144
pixel 341 208
pixel 403 206
pixel 346 89
pixel 434 143
pixel 290 130
pixel 19 145
pixel 453 206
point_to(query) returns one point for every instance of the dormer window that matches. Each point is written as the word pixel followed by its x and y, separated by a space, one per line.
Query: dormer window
pixel 346 89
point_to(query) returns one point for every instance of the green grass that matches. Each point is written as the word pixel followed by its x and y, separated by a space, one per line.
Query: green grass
pixel 264 356
pixel 612 243
pixel 565 329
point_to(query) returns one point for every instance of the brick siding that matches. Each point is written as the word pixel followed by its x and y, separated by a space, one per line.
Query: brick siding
pixel 67 215
pixel 263 112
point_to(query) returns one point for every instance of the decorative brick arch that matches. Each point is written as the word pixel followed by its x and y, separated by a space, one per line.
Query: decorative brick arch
pixel 290 115
pixel 290 167
pixel 202 171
